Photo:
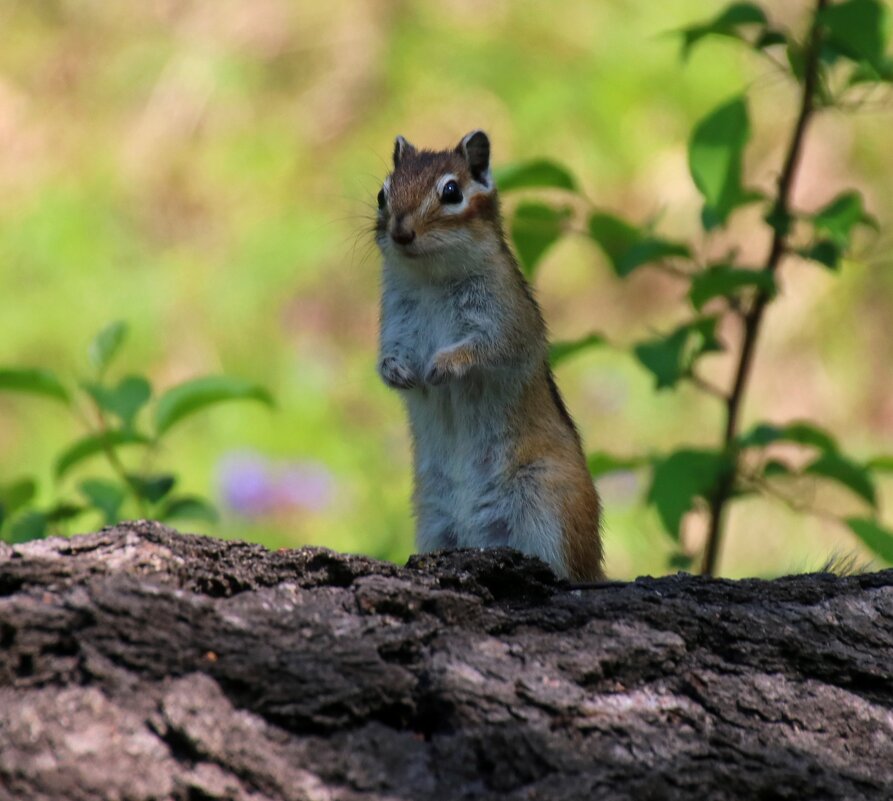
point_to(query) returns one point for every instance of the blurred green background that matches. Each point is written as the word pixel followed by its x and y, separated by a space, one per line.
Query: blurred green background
pixel 207 170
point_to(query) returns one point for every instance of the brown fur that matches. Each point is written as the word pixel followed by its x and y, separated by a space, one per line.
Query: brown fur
pixel 456 361
pixel 411 183
pixel 481 207
pixel 546 438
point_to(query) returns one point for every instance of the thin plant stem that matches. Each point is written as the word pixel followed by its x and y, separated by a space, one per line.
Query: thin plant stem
pixel 117 465
pixel 780 218
pixel 706 386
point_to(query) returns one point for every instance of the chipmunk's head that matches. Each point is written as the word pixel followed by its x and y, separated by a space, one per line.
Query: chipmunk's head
pixel 435 204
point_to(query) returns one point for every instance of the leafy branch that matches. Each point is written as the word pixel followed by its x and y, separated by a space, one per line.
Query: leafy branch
pixel 117 422
pixel 844 49
pixel 780 220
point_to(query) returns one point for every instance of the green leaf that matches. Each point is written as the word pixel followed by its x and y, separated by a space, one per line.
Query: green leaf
pixel 601 463
pixel 726 23
pixel 540 173
pixel 680 561
pixel 671 358
pixel 779 219
pixel 559 351
pixel 680 478
pixel 715 155
pixel 93 444
pixel 809 434
pixel 774 469
pixel 124 400
pixel 796 60
pixel 770 37
pixel 616 237
pixel 855 477
pixel 64 511
pixel 721 280
pixel 33 525
pixel 801 433
pixel 535 227
pixel 840 216
pixel 664 357
pixel 151 488
pixel 188 507
pixel 881 464
pixel 876 538
pixel 856 29
pixel 27 527
pixel 106 496
pixel 193 396
pixel 34 382
pixel 14 496
pixel 825 252
pixel 106 344
pixel 867 73
pixel 628 247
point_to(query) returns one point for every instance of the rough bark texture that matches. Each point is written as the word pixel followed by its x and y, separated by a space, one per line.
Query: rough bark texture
pixel 141 664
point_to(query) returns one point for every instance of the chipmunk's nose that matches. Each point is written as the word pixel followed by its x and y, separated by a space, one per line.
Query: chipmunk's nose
pixel 403 237
pixel 402 233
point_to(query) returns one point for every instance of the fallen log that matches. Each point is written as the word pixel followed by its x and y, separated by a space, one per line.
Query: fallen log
pixel 139 663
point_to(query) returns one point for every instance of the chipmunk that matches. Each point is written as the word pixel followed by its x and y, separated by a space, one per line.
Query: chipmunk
pixel 497 458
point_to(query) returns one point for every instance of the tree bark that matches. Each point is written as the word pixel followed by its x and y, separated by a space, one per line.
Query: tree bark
pixel 139 663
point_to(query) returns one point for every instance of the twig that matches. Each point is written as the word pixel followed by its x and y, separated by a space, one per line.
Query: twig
pixel 792 503
pixel 706 386
pixel 672 269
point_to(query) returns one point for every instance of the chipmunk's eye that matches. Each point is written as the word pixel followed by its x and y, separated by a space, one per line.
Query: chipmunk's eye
pixel 381 199
pixel 451 193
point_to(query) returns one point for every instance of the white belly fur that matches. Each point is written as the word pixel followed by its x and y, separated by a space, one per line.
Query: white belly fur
pixel 469 490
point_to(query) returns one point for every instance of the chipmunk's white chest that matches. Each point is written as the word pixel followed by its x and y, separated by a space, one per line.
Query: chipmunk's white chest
pixel 434 323
pixel 451 422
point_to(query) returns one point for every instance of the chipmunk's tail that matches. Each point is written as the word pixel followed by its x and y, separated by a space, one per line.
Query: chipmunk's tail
pixel 845 563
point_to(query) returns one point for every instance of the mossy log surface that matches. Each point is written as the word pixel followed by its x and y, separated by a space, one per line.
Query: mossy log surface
pixel 139 663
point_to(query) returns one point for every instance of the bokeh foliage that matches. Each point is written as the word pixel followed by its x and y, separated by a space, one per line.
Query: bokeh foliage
pixel 206 170
pixel 842 50
pixel 112 415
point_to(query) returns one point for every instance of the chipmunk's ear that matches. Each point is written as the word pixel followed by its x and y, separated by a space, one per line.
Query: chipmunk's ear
pixel 402 148
pixel 475 147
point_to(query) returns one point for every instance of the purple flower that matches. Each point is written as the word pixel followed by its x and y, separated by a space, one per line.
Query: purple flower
pixel 252 485
pixel 246 484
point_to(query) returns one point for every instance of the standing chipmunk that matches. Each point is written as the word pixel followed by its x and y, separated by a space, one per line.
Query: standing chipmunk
pixel 497 458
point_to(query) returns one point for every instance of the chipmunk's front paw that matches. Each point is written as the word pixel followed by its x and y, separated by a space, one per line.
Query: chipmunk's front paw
pixel 397 374
pixel 445 366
